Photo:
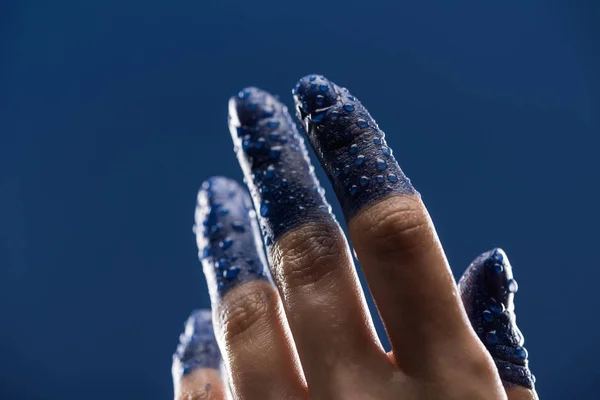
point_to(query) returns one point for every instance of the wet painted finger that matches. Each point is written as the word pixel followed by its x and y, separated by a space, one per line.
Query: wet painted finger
pixel 196 363
pixel 308 252
pixel 487 289
pixel 390 229
pixel 248 318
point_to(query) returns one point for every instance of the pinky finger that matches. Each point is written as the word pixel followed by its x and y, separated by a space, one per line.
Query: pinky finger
pixel 197 361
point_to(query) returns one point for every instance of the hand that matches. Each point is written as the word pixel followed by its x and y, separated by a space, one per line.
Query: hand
pixel 310 335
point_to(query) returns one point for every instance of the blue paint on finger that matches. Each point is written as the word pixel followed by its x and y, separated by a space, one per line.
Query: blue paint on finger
pixel 197 346
pixel 487 289
pixel 349 144
pixel 275 162
pixel 227 235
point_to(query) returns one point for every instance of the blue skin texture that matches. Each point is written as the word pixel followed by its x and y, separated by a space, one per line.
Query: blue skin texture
pixel 349 144
pixel 197 346
pixel 227 235
pixel 275 162
pixel 487 289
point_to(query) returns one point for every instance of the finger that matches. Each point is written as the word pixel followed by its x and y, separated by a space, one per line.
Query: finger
pixel 196 363
pixel 308 253
pixel 251 331
pixel 487 289
pixel 390 229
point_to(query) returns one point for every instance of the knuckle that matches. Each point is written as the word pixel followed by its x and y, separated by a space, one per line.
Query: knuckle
pixel 401 226
pixel 241 312
pixel 309 254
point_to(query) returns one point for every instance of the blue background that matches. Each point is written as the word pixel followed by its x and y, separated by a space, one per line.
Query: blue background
pixel 113 112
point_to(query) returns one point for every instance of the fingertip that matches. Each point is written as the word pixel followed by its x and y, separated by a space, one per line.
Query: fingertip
pixel 275 163
pixel 314 93
pixel 227 236
pixel 250 105
pixel 487 289
pixel 349 144
pixel 197 346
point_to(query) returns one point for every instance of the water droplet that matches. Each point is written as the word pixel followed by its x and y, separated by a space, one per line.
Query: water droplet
pixel 206 252
pixel 348 107
pixel 323 88
pixel 244 94
pixel 238 226
pixel 223 263
pixel 312 78
pixel 246 144
pixel 346 169
pixel 264 209
pixel 488 316
pixel 275 152
pixel 283 183
pixel 270 172
pixel 380 179
pixel 377 141
pixel 392 178
pixel 226 243
pixel 353 149
pixel 320 100
pixel 497 308
pixel 491 337
pixel 362 123
pixel 296 89
pixel 317 117
pixel 364 181
pixel 264 189
pixel 359 160
pixel 216 227
pixel 381 164
pixel 223 211
pixel 497 257
pixel 513 286
pixel 498 268
pixel 522 353
pixel 334 115
pixel 260 143
pixel 351 98
pixel 385 151
pixel 231 273
pixel 273 136
pixel 353 190
pixel 268 241
pixel 291 199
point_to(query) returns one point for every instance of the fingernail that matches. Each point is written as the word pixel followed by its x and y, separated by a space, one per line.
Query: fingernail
pixel 227 235
pixel 487 290
pixel 197 346
pixel 350 145
pixel 275 161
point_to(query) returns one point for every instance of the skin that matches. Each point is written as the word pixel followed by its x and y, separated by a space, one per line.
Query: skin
pixel 304 330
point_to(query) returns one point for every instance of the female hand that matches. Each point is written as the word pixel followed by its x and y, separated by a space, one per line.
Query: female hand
pixel 309 334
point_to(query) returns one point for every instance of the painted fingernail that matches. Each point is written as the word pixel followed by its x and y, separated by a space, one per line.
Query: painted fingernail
pixel 227 235
pixel 487 290
pixel 275 162
pixel 350 145
pixel 197 346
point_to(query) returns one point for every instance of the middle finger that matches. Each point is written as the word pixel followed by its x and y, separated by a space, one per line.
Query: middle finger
pixel 308 252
